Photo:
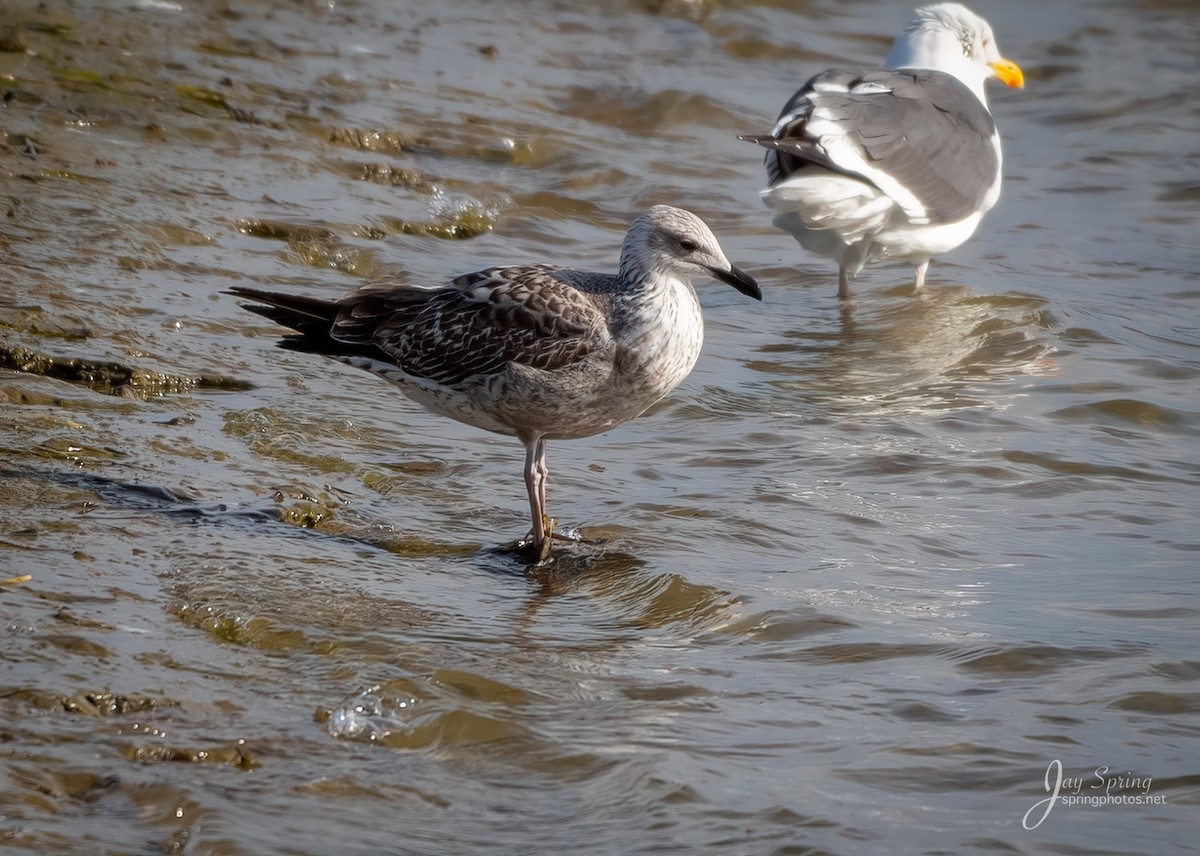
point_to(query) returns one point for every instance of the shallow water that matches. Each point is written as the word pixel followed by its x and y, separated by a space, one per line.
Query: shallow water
pixel 855 586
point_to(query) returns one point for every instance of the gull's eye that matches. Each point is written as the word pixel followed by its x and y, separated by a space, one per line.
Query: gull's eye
pixel 688 246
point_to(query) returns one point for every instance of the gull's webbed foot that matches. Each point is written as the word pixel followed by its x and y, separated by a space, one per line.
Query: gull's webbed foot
pixel 535 549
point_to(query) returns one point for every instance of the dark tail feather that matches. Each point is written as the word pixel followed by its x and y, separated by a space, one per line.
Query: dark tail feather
pixel 795 152
pixel 311 317
pixel 290 310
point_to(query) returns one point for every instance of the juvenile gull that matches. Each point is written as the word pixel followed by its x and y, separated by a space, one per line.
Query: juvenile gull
pixel 899 162
pixel 537 352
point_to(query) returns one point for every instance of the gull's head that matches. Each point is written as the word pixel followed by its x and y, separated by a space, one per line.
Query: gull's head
pixel 950 37
pixel 668 241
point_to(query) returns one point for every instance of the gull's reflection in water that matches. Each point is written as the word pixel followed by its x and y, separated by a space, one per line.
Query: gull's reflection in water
pixel 895 352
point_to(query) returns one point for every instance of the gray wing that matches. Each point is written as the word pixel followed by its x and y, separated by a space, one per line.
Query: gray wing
pixel 925 128
pixel 478 324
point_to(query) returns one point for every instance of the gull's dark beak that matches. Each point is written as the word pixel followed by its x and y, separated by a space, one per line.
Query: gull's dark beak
pixel 739 279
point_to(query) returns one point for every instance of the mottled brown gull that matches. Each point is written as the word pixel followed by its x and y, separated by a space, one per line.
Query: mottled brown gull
pixel 895 163
pixel 537 352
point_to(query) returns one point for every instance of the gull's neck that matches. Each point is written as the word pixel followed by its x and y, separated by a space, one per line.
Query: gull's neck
pixel 939 50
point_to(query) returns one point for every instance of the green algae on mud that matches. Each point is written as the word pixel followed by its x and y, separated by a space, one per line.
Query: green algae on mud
pixel 393 177
pixel 468 219
pixel 468 222
pixel 318 246
pixel 86 703
pixel 275 230
pixel 216 99
pixel 234 755
pixel 112 378
pixel 234 628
